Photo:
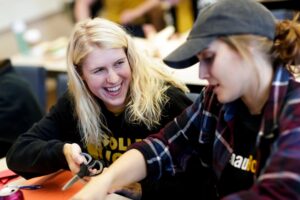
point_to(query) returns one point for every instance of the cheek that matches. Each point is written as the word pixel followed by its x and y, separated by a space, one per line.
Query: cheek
pixel 94 84
pixel 230 87
pixel 129 77
pixel 234 91
pixel 227 71
pixel 228 95
pixel 219 71
pixel 126 73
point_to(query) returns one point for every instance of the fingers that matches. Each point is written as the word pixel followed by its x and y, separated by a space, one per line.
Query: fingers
pixel 76 154
pixel 73 156
pixel 105 168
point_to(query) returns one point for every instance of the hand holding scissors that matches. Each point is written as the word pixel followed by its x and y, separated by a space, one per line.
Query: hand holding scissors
pixel 89 168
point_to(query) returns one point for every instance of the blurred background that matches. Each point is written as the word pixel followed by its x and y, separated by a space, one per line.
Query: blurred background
pixel 42 20
pixel 51 18
pixel 35 32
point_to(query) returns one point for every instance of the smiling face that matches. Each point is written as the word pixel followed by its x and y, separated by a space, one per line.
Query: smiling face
pixel 224 68
pixel 108 75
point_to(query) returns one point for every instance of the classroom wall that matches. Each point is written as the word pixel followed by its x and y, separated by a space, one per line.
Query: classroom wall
pixel 53 22
pixel 26 10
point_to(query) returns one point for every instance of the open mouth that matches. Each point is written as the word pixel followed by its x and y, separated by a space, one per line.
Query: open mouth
pixel 114 90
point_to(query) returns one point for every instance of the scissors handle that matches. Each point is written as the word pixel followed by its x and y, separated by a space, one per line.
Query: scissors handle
pixel 96 164
pixel 90 164
pixel 87 157
pixel 84 171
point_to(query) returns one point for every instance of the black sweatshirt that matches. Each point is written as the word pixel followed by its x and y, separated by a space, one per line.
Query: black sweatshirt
pixel 39 151
pixel 19 108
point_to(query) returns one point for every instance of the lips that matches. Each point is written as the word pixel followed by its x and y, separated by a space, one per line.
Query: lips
pixel 215 87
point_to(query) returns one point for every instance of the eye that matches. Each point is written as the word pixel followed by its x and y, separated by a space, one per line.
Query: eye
pixel 119 62
pixel 208 59
pixel 98 70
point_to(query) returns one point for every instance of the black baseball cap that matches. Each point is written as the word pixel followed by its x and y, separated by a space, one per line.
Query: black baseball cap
pixel 223 18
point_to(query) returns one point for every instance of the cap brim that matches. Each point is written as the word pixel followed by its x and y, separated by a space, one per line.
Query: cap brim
pixel 185 55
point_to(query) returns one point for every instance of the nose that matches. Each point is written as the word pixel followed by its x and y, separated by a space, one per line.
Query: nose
pixel 112 76
pixel 203 71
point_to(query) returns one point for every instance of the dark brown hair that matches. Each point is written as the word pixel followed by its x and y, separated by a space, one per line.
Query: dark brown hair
pixel 286 48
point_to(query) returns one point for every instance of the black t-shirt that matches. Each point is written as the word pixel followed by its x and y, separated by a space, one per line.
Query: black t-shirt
pixel 123 134
pixel 239 172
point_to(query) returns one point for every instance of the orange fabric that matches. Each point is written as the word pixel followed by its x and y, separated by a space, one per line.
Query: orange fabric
pixel 52 185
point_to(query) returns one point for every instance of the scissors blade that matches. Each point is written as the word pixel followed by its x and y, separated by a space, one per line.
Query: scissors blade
pixel 70 182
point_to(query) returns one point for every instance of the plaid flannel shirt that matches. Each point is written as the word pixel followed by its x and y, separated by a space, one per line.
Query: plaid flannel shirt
pixel 205 127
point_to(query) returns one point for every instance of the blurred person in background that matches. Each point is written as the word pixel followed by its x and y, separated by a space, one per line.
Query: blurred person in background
pixel 133 14
pixel 19 109
pixel 183 12
pixel 117 96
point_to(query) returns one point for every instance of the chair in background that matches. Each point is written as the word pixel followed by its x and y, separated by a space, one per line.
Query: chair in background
pixel 36 77
pixel 61 84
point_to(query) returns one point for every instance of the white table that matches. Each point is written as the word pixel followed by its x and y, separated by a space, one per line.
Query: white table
pixel 3 165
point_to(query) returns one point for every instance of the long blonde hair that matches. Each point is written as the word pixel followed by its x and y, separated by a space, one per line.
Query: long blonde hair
pixel 146 97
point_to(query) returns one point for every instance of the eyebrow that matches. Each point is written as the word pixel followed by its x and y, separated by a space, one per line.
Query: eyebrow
pixel 123 58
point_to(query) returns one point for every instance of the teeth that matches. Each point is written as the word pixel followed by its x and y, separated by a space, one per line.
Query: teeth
pixel 114 89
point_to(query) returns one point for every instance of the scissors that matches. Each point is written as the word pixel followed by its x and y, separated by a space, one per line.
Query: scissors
pixel 85 168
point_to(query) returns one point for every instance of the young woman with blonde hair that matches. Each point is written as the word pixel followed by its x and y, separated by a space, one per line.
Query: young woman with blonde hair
pixel 117 95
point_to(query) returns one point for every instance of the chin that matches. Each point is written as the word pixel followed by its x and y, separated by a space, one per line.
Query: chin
pixel 223 99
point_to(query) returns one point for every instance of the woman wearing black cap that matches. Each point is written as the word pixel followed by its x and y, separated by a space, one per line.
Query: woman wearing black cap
pixel 245 126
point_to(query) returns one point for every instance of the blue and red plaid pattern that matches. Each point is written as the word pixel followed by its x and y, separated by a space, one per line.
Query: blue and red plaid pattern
pixel 206 127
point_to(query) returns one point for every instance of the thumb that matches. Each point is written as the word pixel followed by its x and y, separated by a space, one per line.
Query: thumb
pixel 76 154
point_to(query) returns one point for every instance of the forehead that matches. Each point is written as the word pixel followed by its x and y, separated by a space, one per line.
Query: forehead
pixel 98 51
pixel 100 55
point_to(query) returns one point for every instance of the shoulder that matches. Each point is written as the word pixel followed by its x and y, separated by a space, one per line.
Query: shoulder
pixel 292 96
pixel 65 102
pixel 288 103
pixel 11 85
pixel 177 102
pixel 63 112
pixel 291 92
pixel 176 95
